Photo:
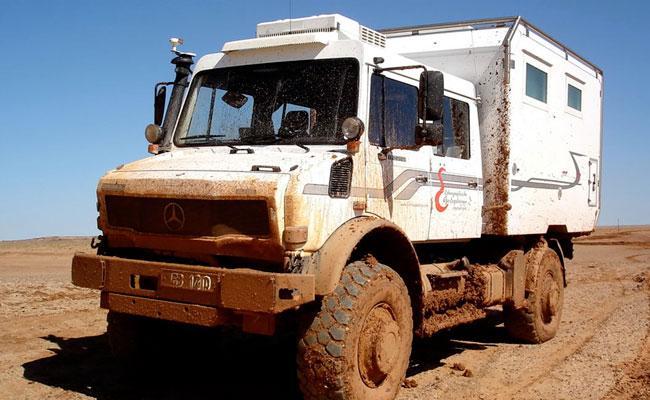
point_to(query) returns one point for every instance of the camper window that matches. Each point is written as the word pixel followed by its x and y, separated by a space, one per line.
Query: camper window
pixel 574 97
pixel 536 83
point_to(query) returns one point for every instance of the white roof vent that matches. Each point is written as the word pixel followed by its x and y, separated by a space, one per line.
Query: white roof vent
pixel 345 27
pixel 373 37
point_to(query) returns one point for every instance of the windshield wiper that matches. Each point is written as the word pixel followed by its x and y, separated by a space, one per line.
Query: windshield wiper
pixel 267 139
pixel 212 139
pixel 279 140
pixel 206 137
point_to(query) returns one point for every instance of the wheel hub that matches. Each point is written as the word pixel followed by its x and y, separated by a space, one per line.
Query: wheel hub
pixel 378 345
pixel 550 298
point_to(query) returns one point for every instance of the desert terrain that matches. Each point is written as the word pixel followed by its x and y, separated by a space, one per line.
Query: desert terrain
pixel 53 342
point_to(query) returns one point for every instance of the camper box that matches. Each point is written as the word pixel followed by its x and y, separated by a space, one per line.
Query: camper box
pixel 540 112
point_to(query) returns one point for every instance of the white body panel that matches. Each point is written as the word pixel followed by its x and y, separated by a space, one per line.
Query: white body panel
pixel 456 208
pixel 427 195
pixel 549 152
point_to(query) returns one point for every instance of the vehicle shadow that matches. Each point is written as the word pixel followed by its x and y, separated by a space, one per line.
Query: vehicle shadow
pixel 243 368
pixel 219 367
pixel 429 353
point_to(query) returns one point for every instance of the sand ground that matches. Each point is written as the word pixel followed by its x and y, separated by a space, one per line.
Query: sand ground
pixel 53 342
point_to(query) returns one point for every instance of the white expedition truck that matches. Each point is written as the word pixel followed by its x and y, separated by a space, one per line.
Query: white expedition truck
pixel 355 188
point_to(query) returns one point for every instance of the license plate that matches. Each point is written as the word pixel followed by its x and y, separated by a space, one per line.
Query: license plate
pixel 190 280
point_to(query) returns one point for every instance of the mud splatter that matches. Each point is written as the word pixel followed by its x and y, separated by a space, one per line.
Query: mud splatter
pixel 450 318
pixel 494 113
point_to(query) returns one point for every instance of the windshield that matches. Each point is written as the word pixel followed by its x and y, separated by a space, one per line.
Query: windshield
pixel 301 102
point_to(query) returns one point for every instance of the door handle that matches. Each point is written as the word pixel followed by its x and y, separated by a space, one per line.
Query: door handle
pixel 472 184
pixel 593 184
pixel 422 179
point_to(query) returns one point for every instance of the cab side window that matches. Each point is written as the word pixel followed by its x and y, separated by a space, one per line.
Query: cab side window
pixel 455 132
pixel 393 112
pixel 394 117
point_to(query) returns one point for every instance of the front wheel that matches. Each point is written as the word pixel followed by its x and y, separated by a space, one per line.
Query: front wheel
pixel 359 344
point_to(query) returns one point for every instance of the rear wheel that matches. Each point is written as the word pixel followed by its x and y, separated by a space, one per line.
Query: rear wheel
pixel 539 321
pixel 359 344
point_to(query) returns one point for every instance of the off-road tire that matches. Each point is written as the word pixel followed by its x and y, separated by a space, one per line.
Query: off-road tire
pixel 359 344
pixel 539 320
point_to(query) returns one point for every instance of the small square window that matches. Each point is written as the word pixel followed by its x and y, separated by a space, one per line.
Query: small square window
pixel 536 83
pixel 574 98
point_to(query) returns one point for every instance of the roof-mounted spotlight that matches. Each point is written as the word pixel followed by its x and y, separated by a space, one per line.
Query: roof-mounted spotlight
pixel 175 42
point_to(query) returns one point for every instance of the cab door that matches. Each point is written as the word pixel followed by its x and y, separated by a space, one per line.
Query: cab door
pixel 456 169
pixel 397 180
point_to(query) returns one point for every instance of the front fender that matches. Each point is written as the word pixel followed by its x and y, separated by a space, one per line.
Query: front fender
pixel 328 262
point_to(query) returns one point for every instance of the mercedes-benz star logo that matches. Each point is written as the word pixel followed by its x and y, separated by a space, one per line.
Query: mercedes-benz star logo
pixel 174 217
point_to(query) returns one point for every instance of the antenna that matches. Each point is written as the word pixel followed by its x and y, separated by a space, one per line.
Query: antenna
pixel 290 14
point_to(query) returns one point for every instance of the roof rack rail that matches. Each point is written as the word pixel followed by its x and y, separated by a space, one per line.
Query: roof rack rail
pixel 487 23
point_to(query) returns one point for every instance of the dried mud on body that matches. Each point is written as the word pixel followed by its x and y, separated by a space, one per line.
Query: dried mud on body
pixel 53 342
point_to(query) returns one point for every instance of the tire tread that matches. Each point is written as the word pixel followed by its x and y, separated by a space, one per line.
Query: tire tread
pixel 330 353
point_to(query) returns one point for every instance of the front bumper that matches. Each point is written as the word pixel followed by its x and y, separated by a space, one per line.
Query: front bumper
pixel 198 295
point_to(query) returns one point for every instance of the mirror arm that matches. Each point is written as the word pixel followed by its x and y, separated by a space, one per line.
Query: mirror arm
pixel 383 153
pixel 159 84
pixel 380 70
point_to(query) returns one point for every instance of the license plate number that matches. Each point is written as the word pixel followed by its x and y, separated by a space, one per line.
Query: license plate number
pixel 189 280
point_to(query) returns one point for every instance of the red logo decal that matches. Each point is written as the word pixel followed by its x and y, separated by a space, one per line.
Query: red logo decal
pixel 439 206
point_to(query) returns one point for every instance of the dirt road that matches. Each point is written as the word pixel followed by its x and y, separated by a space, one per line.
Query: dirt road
pixel 53 343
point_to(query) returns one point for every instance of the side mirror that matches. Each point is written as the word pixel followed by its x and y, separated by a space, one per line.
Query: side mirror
pixel 431 95
pixel 159 105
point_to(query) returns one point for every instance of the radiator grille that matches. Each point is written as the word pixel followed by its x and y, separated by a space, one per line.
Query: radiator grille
pixel 341 178
pixel 188 216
